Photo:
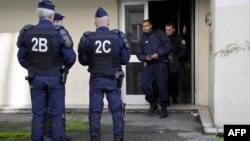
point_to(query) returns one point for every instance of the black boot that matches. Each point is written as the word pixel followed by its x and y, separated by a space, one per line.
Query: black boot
pixel 118 138
pixel 67 138
pixel 163 113
pixel 175 101
pixel 152 108
pixel 95 139
pixel 48 138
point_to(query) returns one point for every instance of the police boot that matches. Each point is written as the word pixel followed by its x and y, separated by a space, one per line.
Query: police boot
pixel 118 139
pixel 67 138
pixel 48 138
pixel 95 139
pixel 163 113
pixel 153 107
pixel 175 101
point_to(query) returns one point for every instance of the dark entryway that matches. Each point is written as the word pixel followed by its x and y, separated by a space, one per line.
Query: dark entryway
pixel 181 13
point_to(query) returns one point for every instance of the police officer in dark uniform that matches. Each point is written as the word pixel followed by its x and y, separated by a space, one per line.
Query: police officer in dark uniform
pixel 177 53
pixel 47 53
pixel 152 48
pixel 58 19
pixel 58 23
pixel 104 51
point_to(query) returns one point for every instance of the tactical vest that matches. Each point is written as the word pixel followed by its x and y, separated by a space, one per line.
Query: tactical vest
pixel 44 58
pixel 103 54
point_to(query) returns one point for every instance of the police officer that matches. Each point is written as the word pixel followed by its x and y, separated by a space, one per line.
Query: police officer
pixel 104 51
pixel 43 50
pixel 58 19
pixel 58 23
pixel 152 47
pixel 177 53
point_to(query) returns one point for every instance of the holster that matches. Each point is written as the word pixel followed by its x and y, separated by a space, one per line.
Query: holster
pixel 119 76
pixel 123 109
pixel 30 77
pixel 173 63
pixel 64 74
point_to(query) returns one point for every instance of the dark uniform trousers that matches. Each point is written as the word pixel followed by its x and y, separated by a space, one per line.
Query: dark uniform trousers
pixel 98 87
pixel 155 72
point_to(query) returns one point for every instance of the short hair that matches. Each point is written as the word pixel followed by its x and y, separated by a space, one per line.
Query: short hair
pixel 44 13
pixel 146 21
pixel 170 24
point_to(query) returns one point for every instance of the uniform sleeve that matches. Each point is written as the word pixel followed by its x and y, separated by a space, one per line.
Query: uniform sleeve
pixel 182 48
pixel 165 46
pixel 83 52
pixel 139 51
pixel 124 53
pixel 22 54
pixel 69 55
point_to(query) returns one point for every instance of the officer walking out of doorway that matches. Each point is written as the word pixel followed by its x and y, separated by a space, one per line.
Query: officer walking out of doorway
pixel 152 48
pixel 177 53
pixel 104 51
pixel 43 50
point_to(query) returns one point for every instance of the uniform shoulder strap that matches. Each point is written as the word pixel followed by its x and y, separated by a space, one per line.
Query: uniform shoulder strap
pixel 124 38
pixel 21 34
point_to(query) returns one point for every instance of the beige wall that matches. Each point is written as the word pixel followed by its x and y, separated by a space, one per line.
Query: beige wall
pixel 231 41
pixel 201 54
pixel 79 14
pixel 14 91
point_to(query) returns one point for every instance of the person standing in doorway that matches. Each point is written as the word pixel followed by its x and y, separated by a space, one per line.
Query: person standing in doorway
pixel 104 51
pixel 177 53
pixel 43 50
pixel 152 48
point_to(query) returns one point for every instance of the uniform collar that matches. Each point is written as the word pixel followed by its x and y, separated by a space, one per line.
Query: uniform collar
pixel 173 36
pixel 45 22
pixel 102 29
pixel 149 33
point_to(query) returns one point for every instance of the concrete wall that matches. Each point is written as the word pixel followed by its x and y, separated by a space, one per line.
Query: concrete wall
pixel 231 41
pixel 14 91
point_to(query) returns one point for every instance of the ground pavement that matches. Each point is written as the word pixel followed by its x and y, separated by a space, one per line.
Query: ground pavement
pixel 178 126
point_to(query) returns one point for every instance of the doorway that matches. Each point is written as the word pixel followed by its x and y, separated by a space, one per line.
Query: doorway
pixel 181 13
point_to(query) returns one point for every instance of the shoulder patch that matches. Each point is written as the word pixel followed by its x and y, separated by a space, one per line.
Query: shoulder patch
pixel 183 42
pixel 27 26
pixel 116 31
pixel 86 33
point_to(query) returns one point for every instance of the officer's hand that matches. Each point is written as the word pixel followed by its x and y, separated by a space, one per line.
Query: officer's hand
pixel 148 58
pixel 154 56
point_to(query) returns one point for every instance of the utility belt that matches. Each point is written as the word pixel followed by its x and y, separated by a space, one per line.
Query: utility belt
pixel 119 75
pixel 63 75
pixel 155 61
pixel 173 64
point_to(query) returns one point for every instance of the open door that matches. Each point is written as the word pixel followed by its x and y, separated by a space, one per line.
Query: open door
pixel 181 13
pixel 133 13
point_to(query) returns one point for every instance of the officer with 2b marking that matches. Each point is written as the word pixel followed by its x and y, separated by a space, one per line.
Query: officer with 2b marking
pixel 104 51
pixel 43 50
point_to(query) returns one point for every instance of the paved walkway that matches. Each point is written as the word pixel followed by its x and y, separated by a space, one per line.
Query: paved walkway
pixel 178 126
